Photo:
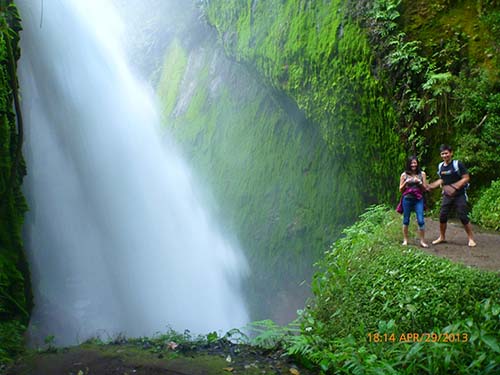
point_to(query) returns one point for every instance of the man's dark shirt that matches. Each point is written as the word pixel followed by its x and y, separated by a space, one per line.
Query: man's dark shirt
pixel 449 176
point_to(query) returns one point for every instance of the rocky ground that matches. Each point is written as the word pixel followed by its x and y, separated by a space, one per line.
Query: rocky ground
pixel 220 358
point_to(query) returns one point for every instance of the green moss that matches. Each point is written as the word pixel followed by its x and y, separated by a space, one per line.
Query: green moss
pixel 323 61
pixel 15 298
pixel 121 356
pixel 367 77
pixel 171 74
pixel 457 30
pixel 296 157
pixel 270 171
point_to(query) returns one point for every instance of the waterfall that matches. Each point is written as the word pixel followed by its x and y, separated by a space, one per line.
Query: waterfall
pixel 117 236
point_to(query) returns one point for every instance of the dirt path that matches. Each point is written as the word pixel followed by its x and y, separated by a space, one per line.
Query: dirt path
pixel 486 255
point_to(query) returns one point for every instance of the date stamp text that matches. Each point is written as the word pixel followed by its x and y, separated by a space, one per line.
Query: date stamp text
pixel 418 337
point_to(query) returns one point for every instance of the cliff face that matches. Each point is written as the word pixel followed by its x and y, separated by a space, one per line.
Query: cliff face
pixel 266 165
pixel 15 298
pixel 291 159
pixel 321 57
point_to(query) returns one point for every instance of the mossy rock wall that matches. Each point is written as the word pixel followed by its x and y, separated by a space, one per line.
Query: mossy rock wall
pixel 318 55
pixel 366 71
pixel 275 182
pixel 288 168
pixel 15 300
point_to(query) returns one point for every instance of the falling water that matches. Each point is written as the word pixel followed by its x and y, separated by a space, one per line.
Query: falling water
pixel 117 239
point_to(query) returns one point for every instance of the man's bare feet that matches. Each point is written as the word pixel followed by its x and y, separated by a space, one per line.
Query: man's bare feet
pixel 439 240
pixel 405 243
pixel 423 244
pixel 472 243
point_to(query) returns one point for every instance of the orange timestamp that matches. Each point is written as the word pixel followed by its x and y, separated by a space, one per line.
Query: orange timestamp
pixel 418 337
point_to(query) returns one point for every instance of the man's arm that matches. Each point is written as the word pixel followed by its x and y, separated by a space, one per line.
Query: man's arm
pixel 462 182
pixel 425 186
pixel 435 184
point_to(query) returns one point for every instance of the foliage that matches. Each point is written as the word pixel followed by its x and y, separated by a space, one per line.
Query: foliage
pixel 11 340
pixel 172 339
pixel 480 98
pixel 440 64
pixel 392 286
pixel 486 211
pixel 15 299
pixel 366 286
pixel 266 334
pixel 420 89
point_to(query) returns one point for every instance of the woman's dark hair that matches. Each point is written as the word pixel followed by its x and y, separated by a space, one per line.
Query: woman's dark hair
pixel 408 164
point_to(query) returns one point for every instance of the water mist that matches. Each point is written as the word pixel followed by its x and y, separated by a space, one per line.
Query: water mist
pixel 117 239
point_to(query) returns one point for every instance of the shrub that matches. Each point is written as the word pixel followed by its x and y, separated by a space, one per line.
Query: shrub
pixel 11 340
pixel 486 211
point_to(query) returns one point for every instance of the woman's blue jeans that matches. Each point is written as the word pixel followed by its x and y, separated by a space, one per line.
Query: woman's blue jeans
pixel 417 205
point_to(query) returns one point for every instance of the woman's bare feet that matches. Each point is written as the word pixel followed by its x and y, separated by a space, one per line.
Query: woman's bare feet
pixel 423 244
pixel 472 243
pixel 405 243
pixel 439 240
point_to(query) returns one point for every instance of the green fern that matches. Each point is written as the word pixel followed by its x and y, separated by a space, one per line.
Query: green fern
pixel 266 334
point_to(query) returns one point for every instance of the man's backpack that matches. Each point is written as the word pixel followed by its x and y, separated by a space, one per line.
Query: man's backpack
pixel 455 168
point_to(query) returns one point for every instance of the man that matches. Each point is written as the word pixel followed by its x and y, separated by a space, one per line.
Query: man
pixel 453 178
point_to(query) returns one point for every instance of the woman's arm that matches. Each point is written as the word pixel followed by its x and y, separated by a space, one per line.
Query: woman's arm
pixel 424 181
pixel 402 182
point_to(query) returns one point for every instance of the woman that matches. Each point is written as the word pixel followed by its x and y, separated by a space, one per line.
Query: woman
pixel 412 184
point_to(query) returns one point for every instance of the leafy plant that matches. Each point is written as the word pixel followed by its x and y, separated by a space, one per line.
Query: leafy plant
pixel 50 343
pixel 266 334
pixel 486 211
pixel 11 340
pixel 479 119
